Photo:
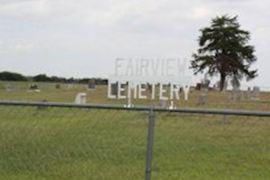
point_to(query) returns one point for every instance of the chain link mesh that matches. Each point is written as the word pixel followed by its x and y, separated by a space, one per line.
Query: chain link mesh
pixel 71 143
pixel 41 142
pixel 211 147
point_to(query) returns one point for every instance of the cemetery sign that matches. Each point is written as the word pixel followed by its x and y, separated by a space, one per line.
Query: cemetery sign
pixel 149 78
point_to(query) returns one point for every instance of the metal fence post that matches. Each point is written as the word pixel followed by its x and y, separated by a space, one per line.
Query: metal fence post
pixel 150 142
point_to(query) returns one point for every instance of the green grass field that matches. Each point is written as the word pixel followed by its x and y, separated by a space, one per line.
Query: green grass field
pixel 69 143
pixel 20 91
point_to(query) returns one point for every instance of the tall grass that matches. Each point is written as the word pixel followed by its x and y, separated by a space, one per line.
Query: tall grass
pixel 67 143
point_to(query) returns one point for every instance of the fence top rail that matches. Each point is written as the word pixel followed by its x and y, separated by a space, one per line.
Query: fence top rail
pixel 139 108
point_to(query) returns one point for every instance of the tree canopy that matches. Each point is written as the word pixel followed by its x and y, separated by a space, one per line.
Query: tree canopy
pixel 224 50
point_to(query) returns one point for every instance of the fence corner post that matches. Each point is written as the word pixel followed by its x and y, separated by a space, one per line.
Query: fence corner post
pixel 150 143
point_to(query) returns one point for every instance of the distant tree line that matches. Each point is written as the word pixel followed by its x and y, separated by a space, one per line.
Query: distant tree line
pixel 11 76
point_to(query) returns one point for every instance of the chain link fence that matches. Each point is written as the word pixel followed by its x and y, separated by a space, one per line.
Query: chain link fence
pixel 189 146
pixel 66 141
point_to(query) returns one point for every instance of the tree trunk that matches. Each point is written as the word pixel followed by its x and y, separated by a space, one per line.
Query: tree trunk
pixel 222 81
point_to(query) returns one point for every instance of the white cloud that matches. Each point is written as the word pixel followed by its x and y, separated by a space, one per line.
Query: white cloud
pixel 200 12
pixel 15 46
pixel 77 35
pixel 25 9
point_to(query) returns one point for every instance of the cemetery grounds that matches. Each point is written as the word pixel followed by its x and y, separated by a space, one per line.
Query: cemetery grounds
pixel 72 143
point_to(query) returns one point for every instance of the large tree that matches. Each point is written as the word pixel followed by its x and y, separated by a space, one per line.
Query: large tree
pixel 224 50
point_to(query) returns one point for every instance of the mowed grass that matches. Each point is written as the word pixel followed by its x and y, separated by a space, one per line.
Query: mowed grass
pixel 67 93
pixel 54 143
pixel 211 147
pixel 69 143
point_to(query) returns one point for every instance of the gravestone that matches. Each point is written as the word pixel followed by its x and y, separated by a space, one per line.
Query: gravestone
pixel 249 93
pixel 9 87
pixel 57 86
pixel 70 86
pixel 92 84
pixel 80 98
pixel 129 99
pixel 198 86
pixel 172 106
pixel 235 83
pixel 206 81
pixel 256 93
pixel 163 103
pixel 186 91
pixel 202 99
pixel 235 96
pixel 34 88
pixel 129 104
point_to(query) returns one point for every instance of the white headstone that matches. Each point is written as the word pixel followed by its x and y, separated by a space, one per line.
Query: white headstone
pixel 80 98
pixel 186 91
pixel 172 105
pixel 129 104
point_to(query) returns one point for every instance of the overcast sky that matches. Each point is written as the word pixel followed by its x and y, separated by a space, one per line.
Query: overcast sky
pixel 82 38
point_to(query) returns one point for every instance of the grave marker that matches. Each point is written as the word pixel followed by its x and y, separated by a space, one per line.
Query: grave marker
pixel 172 106
pixel 34 88
pixel 9 87
pixel 80 98
pixel 57 86
pixel 186 92
pixel 256 93
pixel 249 93
pixel 163 103
pixel 92 84
pixel 235 95
pixel 202 99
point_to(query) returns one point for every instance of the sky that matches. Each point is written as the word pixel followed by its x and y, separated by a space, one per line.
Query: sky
pixel 82 38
